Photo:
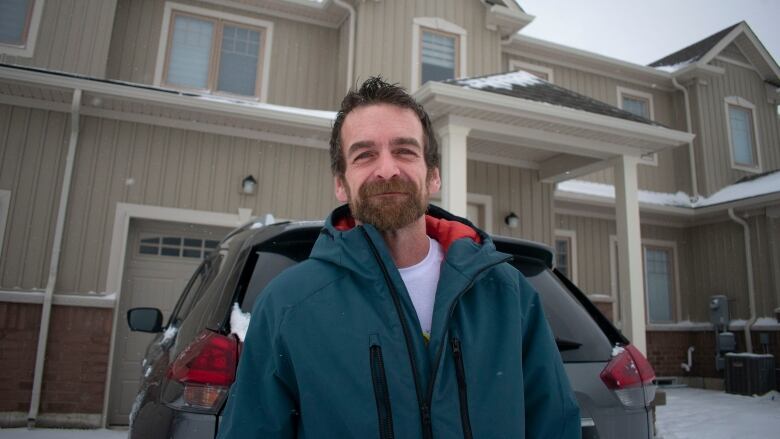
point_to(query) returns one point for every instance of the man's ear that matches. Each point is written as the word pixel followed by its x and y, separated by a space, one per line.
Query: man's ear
pixel 434 182
pixel 340 188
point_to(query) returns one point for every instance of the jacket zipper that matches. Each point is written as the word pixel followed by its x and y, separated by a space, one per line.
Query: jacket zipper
pixel 460 373
pixel 381 393
pixel 423 402
pixel 425 415
pixel 451 311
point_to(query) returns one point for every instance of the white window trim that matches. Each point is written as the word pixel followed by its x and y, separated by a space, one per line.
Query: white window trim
pixel 5 207
pixel 441 25
pixel 613 276
pixel 640 94
pixel 744 103
pixel 516 64
pixel 162 47
pixel 572 235
pixel 646 159
pixel 28 49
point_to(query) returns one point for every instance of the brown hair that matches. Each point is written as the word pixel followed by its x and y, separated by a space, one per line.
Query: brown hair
pixel 376 91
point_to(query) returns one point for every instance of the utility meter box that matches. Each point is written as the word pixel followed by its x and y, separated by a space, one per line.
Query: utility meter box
pixel 726 342
pixel 719 311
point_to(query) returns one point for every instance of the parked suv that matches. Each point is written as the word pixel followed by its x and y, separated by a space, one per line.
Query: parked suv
pixel 190 366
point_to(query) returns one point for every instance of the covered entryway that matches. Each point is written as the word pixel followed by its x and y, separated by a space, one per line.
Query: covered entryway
pixel 161 256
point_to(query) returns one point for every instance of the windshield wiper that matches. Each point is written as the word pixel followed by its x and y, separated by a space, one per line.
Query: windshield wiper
pixel 566 345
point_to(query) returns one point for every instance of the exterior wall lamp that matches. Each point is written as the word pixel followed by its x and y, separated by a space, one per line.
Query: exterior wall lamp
pixel 248 185
pixel 512 220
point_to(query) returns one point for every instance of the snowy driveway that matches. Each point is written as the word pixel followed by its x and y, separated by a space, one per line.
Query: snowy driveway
pixel 696 413
pixel 688 414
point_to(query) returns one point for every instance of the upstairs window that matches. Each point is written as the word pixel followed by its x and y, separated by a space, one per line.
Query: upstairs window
pixel 636 102
pixel 540 72
pixel 14 20
pixel 19 20
pixel 438 51
pixel 215 53
pixel 439 56
pixel 742 134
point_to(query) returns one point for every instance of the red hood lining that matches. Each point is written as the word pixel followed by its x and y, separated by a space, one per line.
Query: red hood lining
pixel 444 231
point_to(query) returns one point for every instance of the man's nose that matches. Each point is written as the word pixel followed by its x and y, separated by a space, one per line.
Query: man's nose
pixel 386 166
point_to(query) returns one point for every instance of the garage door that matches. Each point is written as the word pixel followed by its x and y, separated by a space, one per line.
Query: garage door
pixel 161 257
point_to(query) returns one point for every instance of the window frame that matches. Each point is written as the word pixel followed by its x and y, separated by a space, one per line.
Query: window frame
pixel 675 300
pixel 674 295
pixel 30 35
pixel 740 102
pixel 436 25
pixel 220 19
pixel 516 64
pixel 571 236
pixel 650 159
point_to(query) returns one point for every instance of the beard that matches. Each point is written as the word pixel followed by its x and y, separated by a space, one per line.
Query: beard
pixel 390 212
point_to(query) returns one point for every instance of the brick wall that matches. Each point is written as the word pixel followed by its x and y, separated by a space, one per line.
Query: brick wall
pixel 76 358
pixel 668 349
pixel 19 326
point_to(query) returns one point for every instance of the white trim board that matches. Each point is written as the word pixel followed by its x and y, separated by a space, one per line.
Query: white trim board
pixel 5 207
pixel 516 64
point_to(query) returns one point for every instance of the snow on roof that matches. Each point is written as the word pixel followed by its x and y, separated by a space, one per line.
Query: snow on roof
pixel 762 185
pixel 505 81
pixel 328 115
pixel 675 67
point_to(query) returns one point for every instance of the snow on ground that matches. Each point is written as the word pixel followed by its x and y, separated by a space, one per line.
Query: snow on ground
pixel 688 414
pixel 696 413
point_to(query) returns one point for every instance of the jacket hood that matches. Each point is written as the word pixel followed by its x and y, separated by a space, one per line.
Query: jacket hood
pixel 344 243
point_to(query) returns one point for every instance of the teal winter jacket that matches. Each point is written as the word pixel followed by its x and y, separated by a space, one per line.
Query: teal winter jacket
pixel 334 348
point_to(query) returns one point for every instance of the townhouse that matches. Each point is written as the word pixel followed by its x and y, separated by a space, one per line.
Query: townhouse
pixel 136 133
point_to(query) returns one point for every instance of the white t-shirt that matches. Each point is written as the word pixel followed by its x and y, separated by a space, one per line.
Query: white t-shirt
pixel 421 280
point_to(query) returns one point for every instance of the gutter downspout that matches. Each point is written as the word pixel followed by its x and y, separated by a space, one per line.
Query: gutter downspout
pixel 351 49
pixel 43 334
pixel 691 155
pixel 751 289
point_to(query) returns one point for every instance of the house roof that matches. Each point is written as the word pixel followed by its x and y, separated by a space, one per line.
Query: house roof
pixel 523 85
pixel 695 51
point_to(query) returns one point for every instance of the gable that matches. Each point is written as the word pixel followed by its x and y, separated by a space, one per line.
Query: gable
pixel 733 53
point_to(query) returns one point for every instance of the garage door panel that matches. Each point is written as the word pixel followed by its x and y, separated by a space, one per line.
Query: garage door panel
pixel 152 280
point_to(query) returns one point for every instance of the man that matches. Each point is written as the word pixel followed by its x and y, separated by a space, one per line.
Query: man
pixel 400 324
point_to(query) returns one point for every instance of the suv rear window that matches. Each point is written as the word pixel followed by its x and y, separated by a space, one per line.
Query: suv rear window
pixel 579 338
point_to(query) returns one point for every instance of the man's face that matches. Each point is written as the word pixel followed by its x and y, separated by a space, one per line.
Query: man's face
pixel 386 180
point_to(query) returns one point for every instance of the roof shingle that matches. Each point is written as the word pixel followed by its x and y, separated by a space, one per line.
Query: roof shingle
pixel 695 51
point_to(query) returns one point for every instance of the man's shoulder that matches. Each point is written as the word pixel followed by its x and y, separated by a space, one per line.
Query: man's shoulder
pixel 295 284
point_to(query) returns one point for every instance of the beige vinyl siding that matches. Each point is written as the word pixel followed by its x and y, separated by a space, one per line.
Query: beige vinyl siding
pixel 593 275
pixel 140 164
pixel 384 37
pixel 73 36
pixel 303 66
pixel 32 153
pixel 672 172
pixel 515 190
pixel 713 157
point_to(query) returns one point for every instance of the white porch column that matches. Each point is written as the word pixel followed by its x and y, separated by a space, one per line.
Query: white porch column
pixel 452 140
pixel 632 300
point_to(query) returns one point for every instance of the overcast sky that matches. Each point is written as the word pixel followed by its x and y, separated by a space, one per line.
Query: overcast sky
pixel 642 31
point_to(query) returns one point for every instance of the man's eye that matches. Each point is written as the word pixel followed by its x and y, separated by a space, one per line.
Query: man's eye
pixel 405 151
pixel 362 156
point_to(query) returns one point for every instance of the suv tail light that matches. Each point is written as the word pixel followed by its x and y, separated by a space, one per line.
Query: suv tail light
pixel 630 376
pixel 206 368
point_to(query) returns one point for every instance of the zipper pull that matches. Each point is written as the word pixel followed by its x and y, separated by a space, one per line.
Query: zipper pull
pixel 455 346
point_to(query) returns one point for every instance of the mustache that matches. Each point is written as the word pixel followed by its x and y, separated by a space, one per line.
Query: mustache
pixel 378 187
